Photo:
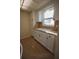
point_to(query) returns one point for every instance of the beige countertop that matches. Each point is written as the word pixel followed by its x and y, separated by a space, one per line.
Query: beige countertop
pixel 47 31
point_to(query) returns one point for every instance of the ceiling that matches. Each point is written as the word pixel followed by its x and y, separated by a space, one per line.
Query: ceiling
pixel 30 5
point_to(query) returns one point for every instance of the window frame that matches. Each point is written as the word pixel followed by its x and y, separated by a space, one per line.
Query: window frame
pixel 41 15
pixel 47 18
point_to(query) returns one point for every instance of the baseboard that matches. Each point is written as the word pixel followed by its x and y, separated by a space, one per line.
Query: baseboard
pixel 25 37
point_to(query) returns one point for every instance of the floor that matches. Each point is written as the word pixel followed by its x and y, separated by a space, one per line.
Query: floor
pixel 33 50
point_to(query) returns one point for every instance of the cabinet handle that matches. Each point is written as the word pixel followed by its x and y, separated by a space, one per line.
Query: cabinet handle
pixel 46 38
pixel 39 35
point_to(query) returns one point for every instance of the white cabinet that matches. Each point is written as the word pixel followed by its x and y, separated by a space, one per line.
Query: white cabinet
pixel 46 39
pixel 51 41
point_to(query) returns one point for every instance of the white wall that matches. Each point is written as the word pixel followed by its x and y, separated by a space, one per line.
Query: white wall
pixel 25 24
pixel 56 9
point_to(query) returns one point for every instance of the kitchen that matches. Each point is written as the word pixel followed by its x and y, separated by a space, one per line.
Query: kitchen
pixel 39 27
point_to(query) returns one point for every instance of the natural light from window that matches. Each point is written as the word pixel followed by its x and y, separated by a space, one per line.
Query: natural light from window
pixel 48 17
pixel 48 13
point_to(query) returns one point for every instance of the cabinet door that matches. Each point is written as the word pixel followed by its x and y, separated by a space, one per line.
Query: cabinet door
pixel 50 41
pixel 44 37
pixel 34 34
pixel 38 36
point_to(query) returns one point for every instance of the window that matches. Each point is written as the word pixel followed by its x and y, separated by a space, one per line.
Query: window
pixel 45 16
pixel 48 17
pixel 48 13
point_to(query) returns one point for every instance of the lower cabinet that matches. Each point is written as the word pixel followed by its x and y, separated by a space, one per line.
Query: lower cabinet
pixel 51 44
pixel 46 39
